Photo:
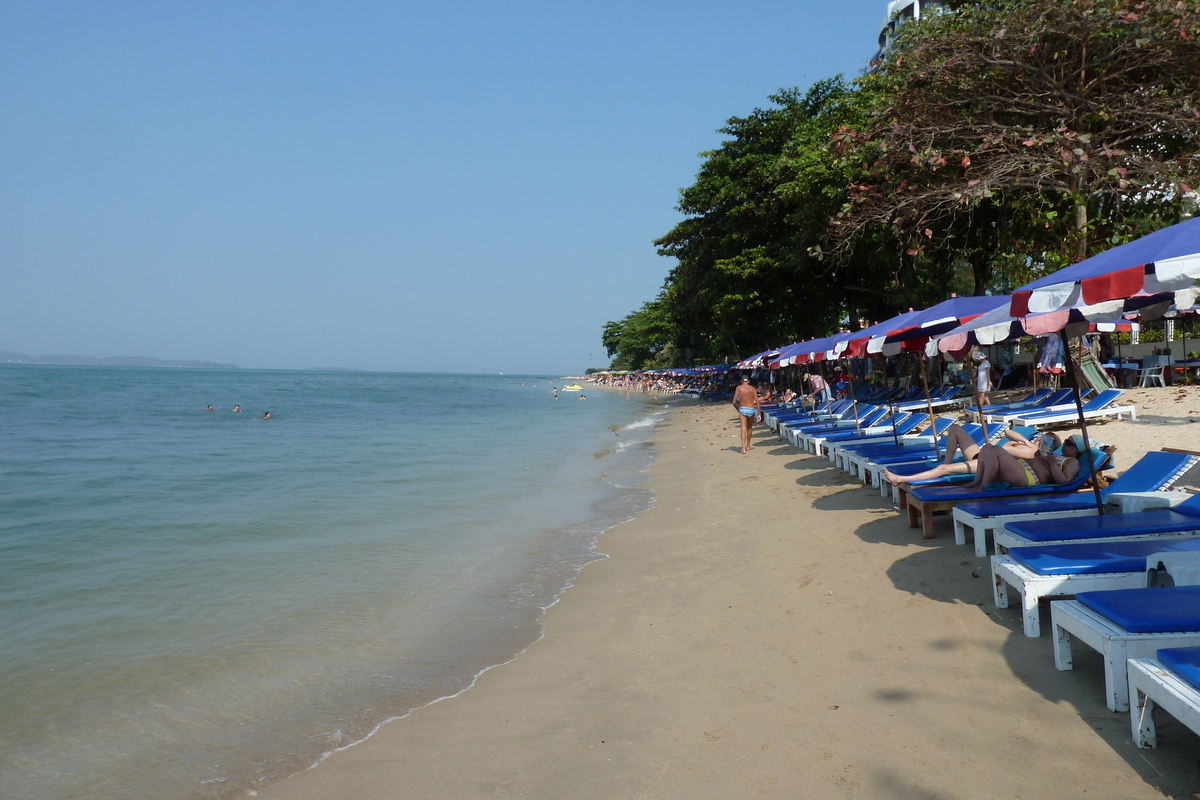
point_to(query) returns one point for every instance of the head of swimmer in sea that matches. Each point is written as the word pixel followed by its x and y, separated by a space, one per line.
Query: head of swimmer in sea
pixel 267 415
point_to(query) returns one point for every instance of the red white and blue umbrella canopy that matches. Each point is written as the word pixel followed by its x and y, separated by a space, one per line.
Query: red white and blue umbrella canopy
pixel 812 350
pixel 869 341
pixel 758 359
pixel 999 325
pixel 936 320
pixel 1165 261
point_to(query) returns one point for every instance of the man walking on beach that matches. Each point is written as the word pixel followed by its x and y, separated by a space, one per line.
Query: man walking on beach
pixel 745 400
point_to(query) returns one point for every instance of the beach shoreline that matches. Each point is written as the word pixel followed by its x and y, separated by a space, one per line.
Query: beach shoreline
pixel 770 629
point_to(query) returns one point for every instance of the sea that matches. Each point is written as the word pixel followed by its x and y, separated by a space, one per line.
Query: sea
pixel 195 603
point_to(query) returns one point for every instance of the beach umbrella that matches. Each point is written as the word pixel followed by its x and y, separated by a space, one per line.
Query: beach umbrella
pixel 857 345
pixel 1164 261
pixel 999 325
pixel 1149 271
pixel 938 319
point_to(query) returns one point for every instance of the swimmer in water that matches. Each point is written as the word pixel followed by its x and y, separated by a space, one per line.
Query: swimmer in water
pixel 267 415
pixel 583 397
pixel 210 408
pixel 237 409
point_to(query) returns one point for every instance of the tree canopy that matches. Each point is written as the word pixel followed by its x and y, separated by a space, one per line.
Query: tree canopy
pixel 1007 138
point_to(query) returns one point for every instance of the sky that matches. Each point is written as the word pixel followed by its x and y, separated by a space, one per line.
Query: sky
pixel 398 186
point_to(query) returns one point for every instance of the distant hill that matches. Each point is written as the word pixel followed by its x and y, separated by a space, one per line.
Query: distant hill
pixel 115 361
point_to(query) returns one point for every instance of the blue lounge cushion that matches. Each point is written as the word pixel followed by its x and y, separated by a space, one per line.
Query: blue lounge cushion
pixel 1075 501
pixel 1164 609
pixel 1093 558
pixel 933 494
pixel 1184 662
pixel 1180 519
pixel 1150 473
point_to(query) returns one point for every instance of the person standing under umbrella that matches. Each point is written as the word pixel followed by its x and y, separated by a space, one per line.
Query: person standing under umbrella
pixel 983 380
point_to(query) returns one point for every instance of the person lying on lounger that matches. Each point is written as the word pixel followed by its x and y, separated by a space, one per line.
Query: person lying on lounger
pixel 996 466
pixel 959 441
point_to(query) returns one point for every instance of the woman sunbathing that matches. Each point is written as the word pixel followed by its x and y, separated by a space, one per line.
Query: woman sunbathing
pixel 996 465
pixel 959 441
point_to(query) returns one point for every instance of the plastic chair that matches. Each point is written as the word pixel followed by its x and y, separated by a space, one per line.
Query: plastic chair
pixel 1152 372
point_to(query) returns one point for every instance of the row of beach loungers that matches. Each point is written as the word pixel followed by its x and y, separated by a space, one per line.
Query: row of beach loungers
pixel 1123 583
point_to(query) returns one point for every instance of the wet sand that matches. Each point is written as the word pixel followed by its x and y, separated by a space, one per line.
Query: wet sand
pixel 770 629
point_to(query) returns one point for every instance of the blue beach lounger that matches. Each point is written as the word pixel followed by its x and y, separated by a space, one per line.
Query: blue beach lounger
pixel 1157 522
pixel 841 409
pixel 869 460
pixel 1155 471
pixel 826 411
pixel 1058 399
pixel 851 456
pixel 906 424
pixel 945 396
pixel 922 501
pixel 883 430
pixel 1035 398
pixel 1099 406
pixel 1064 569
pixel 1170 680
pixel 867 416
pixel 1124 624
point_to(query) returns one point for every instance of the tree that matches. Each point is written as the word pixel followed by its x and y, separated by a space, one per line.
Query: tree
pixel 640 340
pixel 750 272
pixel 1044 129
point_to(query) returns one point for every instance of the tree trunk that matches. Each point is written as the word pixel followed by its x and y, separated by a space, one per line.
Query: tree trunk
pixel 982 273
pixel 1081 218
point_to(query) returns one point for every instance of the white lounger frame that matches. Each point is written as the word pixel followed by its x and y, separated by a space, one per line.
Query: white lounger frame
pixel 804 439
pixel 1151 684
pixel 1071 416
pixel 1115 644
pixel 1033 587
pixel 874 435
pixel 1007 417
pixel 981 526
pixel 863 468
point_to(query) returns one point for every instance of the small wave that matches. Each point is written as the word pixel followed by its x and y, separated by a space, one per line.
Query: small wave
pixel 644 422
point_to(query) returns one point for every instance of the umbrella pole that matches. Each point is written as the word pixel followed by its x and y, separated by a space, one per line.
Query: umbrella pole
pixel 937 453
pixel 1183 332
pixel 1073 371
pixel 892 408
pixel 853 400
pixel 1033 364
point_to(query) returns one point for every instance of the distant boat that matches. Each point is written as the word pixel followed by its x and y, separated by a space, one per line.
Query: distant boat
pixel 574 387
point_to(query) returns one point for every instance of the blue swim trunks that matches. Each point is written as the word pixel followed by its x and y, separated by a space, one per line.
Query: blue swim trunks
pixel 746 412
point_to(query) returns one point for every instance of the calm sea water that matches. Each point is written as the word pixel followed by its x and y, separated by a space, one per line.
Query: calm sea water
pixel 194 604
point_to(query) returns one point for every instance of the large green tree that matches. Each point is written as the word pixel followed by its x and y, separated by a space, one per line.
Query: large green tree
pixel 641 340
pixel 750 272
pixel 1041 130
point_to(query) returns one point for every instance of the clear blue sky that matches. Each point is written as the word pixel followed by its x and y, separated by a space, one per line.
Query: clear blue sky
pixel 451 186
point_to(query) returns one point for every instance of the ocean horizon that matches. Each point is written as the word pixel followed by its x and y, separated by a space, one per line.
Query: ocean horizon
pixel 198 603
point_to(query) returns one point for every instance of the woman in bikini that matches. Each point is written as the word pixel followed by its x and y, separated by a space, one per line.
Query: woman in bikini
pixel 996 465
pixel 959 441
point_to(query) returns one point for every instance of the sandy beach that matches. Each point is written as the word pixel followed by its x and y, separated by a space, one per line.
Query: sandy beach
pixel 770 629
